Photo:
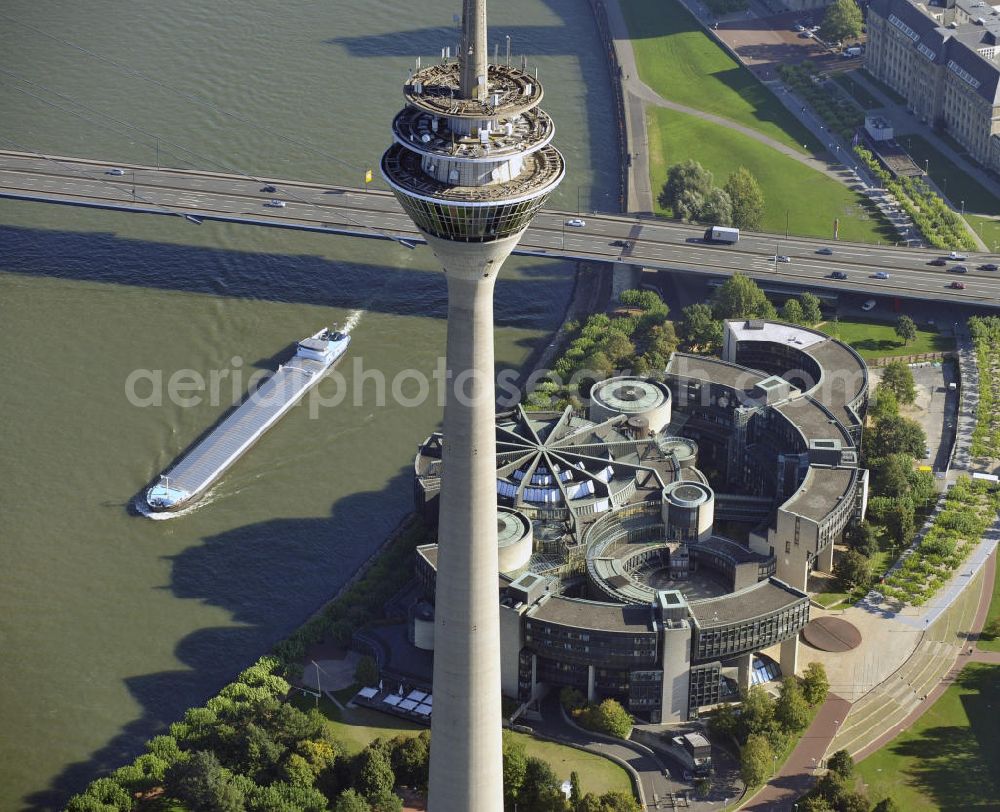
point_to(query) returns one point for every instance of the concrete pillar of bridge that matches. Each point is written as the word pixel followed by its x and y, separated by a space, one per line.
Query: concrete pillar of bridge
pixel 591 680
pixel 744 667
pixel 789 656
pixel 825 556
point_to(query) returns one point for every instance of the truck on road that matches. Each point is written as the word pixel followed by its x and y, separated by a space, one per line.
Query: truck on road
pixel 722 234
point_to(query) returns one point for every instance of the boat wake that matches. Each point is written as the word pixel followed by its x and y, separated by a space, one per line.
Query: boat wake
pixel 352 321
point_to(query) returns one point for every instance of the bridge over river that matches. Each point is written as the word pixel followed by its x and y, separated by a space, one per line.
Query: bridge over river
pixel 647 242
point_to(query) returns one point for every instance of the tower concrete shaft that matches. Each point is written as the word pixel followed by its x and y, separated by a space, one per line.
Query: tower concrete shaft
pixel 466 769
pixel 472 51
pixel 470 169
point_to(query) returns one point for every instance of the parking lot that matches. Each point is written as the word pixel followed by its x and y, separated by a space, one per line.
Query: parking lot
pixel 764 43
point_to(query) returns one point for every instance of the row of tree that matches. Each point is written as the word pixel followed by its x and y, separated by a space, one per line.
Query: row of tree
pixel 691 194
pixel 897 489
pixel 607 716
pixel 763 726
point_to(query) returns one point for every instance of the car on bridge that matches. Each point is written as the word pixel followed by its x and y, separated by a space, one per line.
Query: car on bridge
pixel 880 275
pixel 958 269
pixel 116 171
pixel 938 262
pixel 780 258
pixel 957 256
pixel 869 305
pixel 276 204
pixel 956 285
pixel 576 222
pixel 824 251
pixel 989 266
pixel 838 275
pixel 269 189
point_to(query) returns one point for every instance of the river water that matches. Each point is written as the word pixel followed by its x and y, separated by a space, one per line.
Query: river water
pixel 111 624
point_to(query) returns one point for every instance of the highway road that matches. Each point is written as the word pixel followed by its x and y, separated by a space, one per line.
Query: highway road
pixel 651 243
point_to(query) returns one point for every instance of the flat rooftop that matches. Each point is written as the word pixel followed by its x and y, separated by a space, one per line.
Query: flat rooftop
pixel 594 615
pixel 821 491
pixel 760 599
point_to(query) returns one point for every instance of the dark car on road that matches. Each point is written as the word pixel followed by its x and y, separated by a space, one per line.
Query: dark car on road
pixel 956 285
pixel 989 266
pixel 269 189
pixel 958 269
pixel 838 275
pixel 938 262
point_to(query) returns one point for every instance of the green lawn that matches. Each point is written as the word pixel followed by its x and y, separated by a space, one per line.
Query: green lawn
pixel 988 230
pixel 812 200
pixel 989 641
pixel 876 340
pixel 860 94
pixel 683 64
pixel 959 185
pixel 948 759
pixel 356 727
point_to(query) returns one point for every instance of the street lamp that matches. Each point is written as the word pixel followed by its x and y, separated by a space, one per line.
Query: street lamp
pixel 927 166
pixel 786 224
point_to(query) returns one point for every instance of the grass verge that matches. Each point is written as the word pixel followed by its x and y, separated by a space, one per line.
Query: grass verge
pixel 812 200
pixel 683 64
pixel 947 760
pixel 989 640
pixel 874 340
pixel 988 230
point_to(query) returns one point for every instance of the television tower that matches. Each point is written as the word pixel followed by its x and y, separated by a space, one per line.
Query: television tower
pixel 471 164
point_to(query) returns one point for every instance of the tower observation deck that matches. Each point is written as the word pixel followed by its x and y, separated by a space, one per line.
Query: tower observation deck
pixel 471 163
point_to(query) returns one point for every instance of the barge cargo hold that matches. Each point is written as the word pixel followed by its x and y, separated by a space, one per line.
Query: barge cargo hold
pixel 230 440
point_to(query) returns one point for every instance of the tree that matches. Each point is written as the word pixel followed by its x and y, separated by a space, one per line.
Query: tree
pixel 611 718
pixel 811 313
pixel 740 298
pixel 202 784
pixel 891 475
pixel 616 801
pixel 351 801
pixel 699 328
pixel 885 403
pixel 574 788
pixel 756 760
pixel 687 185
pixel 886 805
pixel 541 791
pixel 863 537
pixel 893 435
pixel 376 778
pixel 815 685
pixel 366 671
pixel 648 301
pixel 747 199
pixel 724 721
pixel 905 329
pixel 898 377
pixel 515 765
pixel 791 312
pixel 716 208
pixel 791 709
pixel 842 21
pixel 842 764
pixel 852 570
pixel 756 712
pixel 411 759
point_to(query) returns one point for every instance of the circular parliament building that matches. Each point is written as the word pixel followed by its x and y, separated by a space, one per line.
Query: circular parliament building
pixel 650 549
